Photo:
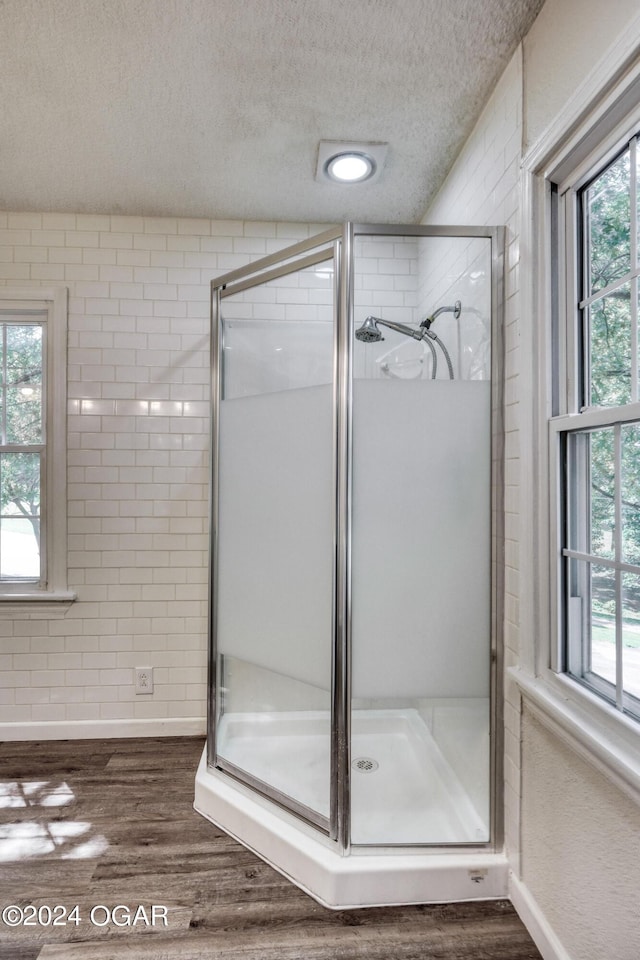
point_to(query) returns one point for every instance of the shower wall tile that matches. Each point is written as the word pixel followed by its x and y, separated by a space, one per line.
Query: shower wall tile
pixel 138 442
pixel 483 188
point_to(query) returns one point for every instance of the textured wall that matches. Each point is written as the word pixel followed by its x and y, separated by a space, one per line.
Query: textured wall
pixel 580 849
pixel 138 439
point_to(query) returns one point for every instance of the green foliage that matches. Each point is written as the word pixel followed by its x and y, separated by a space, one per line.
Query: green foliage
pixel 20 486
pixel 608 225
pixel 21 364
pixel 607 233
pixel 607 236
pixel 610 349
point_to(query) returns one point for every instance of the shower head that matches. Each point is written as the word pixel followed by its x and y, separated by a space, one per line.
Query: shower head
pixel 369 332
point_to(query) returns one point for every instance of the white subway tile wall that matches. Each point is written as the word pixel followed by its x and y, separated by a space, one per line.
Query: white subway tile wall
pixel 138 441
pixel 483 188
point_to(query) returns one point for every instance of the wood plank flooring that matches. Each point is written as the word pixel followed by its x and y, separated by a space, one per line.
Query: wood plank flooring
pixel 100 823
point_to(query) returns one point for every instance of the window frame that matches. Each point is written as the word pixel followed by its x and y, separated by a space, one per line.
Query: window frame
pixel 52 591
pixel 575 414
pixel 589 131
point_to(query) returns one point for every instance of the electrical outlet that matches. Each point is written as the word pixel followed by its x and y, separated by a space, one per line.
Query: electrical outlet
pixel 143 679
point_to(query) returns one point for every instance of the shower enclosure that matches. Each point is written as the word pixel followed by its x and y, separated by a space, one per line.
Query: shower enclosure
pixel 355 568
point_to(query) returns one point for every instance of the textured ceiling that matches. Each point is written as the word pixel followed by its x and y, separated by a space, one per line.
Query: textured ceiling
pixel 215 108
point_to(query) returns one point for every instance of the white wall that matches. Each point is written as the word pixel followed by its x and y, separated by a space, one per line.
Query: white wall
pixel 580 848
pixel 571 835
pixel 138 440
pixel 560 51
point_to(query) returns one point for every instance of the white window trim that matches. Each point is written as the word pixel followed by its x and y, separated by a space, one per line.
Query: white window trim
pixel 603 111
pixel 55 596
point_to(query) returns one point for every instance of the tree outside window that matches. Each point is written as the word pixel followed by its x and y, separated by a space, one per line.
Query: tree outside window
pixel 21 448
pixel 602 539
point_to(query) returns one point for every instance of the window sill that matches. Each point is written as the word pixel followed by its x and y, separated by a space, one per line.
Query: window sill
pixel 598 733
pixel 39 605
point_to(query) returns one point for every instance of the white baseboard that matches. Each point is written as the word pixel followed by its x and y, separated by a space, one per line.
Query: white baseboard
pixel 535 921
pixel 99 729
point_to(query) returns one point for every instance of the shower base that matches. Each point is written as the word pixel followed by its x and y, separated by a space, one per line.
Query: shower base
pixel 402 792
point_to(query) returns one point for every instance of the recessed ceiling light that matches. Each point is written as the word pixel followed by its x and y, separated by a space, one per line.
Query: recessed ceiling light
pixel 347 162
pixel 350 167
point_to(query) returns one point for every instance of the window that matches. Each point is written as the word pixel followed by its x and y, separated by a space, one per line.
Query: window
pixel 32 445
pixel 580 446
pixel 22 446
pixel 597 432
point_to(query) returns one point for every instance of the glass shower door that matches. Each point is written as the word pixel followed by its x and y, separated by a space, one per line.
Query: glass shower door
pixel 273 607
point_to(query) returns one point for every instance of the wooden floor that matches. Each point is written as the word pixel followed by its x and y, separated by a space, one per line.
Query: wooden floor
pixel 106 823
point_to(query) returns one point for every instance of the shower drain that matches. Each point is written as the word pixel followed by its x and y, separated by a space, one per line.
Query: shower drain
pixel 365 764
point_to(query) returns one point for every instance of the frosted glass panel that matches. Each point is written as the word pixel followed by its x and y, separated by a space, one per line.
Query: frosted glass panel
pixel 421 539
pixel 275 532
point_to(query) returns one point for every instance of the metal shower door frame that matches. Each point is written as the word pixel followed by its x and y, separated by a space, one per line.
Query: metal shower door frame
pixel 338 245
pixel 318 249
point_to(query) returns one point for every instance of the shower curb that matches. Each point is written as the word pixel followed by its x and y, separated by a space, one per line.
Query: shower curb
pixel 340 883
